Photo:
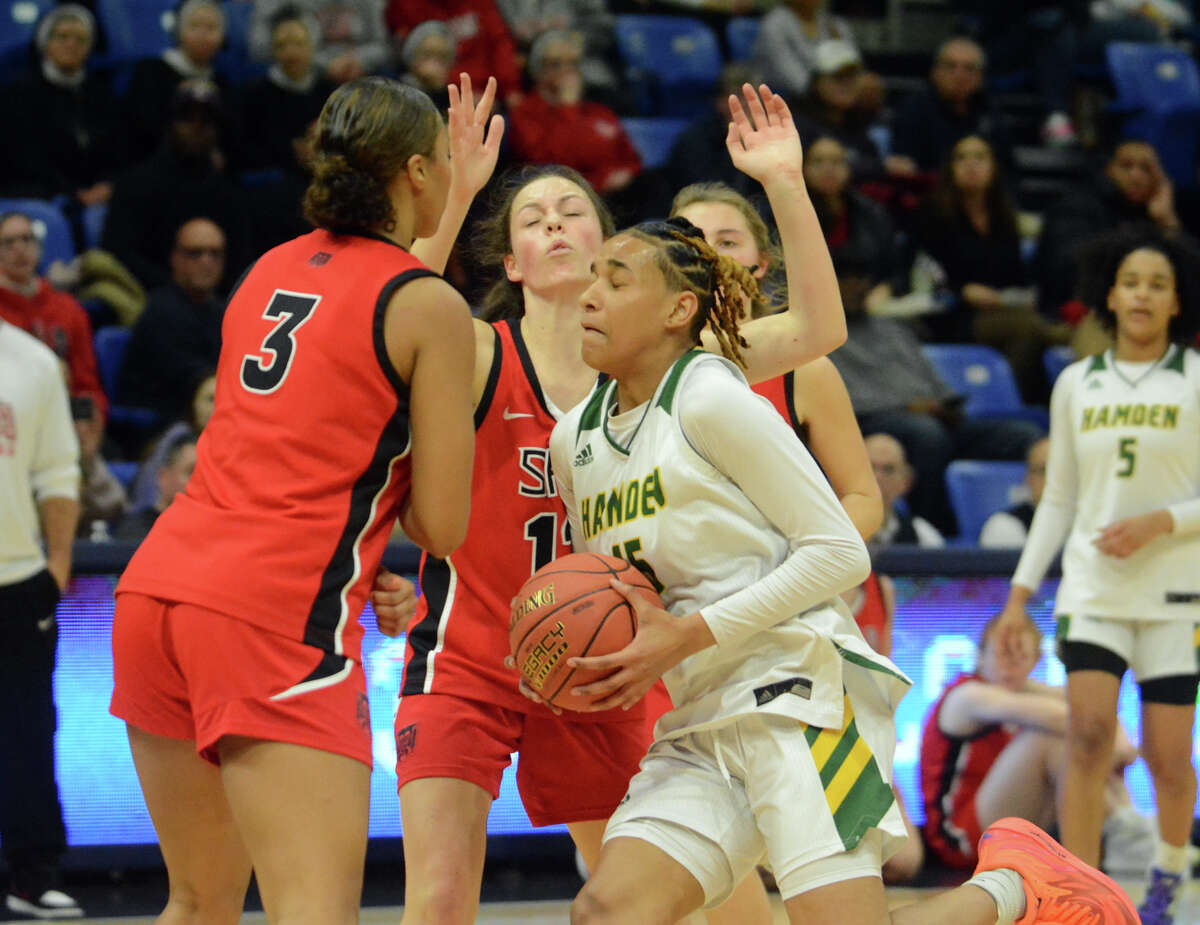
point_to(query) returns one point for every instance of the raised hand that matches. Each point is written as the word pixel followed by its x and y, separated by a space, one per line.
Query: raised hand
pixel 762 139
pixel 474 141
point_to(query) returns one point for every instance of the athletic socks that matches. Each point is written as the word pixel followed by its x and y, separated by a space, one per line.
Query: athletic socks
pixel 1169 858
pixel 1007 890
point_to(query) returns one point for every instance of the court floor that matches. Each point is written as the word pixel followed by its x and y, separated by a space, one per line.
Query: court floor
pixel 554 912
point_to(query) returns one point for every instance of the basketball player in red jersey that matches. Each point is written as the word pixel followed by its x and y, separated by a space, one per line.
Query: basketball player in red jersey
pixel 994 745
pixel 461 714
pixel 342 402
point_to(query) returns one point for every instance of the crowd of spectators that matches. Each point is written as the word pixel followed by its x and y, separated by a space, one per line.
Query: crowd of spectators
pixel 195 168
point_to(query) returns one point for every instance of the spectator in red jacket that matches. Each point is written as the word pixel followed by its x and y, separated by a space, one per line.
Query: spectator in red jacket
pixel 485 46
pixel 555 124
pixel 30 303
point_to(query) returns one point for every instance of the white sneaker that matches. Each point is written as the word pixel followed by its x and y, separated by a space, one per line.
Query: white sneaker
pixel 1129 843
pixel 52 904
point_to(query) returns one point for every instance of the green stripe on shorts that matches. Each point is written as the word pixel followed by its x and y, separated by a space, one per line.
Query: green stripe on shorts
pixel 1062 626
pixel 864 806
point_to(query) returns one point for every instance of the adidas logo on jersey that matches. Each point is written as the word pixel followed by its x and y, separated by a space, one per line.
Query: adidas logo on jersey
pixel 1095 384
pixel 583 457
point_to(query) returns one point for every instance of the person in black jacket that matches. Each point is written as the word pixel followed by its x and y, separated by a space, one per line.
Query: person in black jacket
pixel 699 154
pixel 1132 188
pixel 200 31
pixel 950 107
pixel 66 138
pixel 970 228
pixel 178 337
pixel 182 180
pixel 276 110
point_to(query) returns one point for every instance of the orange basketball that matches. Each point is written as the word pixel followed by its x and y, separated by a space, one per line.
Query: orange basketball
pixel 565 609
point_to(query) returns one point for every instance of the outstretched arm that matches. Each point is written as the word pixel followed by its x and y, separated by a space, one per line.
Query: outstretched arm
pixel 474 147
pixel 764 144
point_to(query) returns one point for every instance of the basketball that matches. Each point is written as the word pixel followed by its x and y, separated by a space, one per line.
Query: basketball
pixel 565 609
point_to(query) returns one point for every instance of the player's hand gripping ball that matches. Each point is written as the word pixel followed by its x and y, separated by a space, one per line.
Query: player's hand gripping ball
pixel 568 609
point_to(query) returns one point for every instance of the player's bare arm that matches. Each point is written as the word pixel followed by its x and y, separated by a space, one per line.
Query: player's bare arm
pixel 428 335
pixel 764 144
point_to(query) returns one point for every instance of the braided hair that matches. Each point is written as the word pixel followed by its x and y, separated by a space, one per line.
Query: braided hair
pixel 721 285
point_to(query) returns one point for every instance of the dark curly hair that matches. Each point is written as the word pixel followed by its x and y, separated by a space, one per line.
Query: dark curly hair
pixel 504 299
pixel 367 131
pixel 1101 259
pixel 721 284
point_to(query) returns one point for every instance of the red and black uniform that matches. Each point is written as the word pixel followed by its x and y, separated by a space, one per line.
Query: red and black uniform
pixel 781 392
pixel 871 615
pixel 952 771
pixel 455 681
pixel 299 477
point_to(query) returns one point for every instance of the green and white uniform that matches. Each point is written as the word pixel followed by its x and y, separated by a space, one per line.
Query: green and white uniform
pixel 782 735
pixel 1124 441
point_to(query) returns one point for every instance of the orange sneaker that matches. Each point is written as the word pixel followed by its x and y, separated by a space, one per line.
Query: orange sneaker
pixel 1059 887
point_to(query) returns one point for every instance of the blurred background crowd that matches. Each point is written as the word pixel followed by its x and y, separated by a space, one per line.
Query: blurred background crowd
pixel 961 155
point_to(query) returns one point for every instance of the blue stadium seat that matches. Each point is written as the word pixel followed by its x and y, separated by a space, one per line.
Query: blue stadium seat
pixel 110 345
pixel 18 25
pixel 93 223
pixel 653 138
pixel 1056 359
pixel 125 472
pixel 985 378
pixel 136 28
pixel 49 224
pixel 977 489
pixel 741 32
pixel 234 60
pixel 672 62
pixel 1158 93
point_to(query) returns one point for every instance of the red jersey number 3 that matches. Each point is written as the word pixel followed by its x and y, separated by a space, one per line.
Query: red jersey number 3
pixel 265 371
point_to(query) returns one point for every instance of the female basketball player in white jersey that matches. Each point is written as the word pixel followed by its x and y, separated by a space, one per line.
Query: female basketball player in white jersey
pixel 554 227
pixel 813 399
pixel 1123 491
pixel 781 739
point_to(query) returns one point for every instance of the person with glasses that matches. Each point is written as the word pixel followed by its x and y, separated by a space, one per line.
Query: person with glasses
pixel 952 105
pixel 71 142
pixel 178 337
pixel 1010 527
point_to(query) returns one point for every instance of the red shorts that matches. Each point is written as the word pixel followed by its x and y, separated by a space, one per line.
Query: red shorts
pixel 567 772
pixel 949 851
pixel 186 672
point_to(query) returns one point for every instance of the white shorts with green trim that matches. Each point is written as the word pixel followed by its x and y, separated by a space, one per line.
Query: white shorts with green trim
pixel 1152 648
pixel 765 789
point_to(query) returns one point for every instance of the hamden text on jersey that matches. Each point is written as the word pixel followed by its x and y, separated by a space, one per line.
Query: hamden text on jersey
pixel 629 501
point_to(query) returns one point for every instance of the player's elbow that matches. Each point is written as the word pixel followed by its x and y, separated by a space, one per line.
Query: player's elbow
pixel 445 535
pixel 856 563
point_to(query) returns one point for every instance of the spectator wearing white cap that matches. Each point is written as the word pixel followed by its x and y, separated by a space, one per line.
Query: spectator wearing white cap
pixel 834 107
pixel 785 52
